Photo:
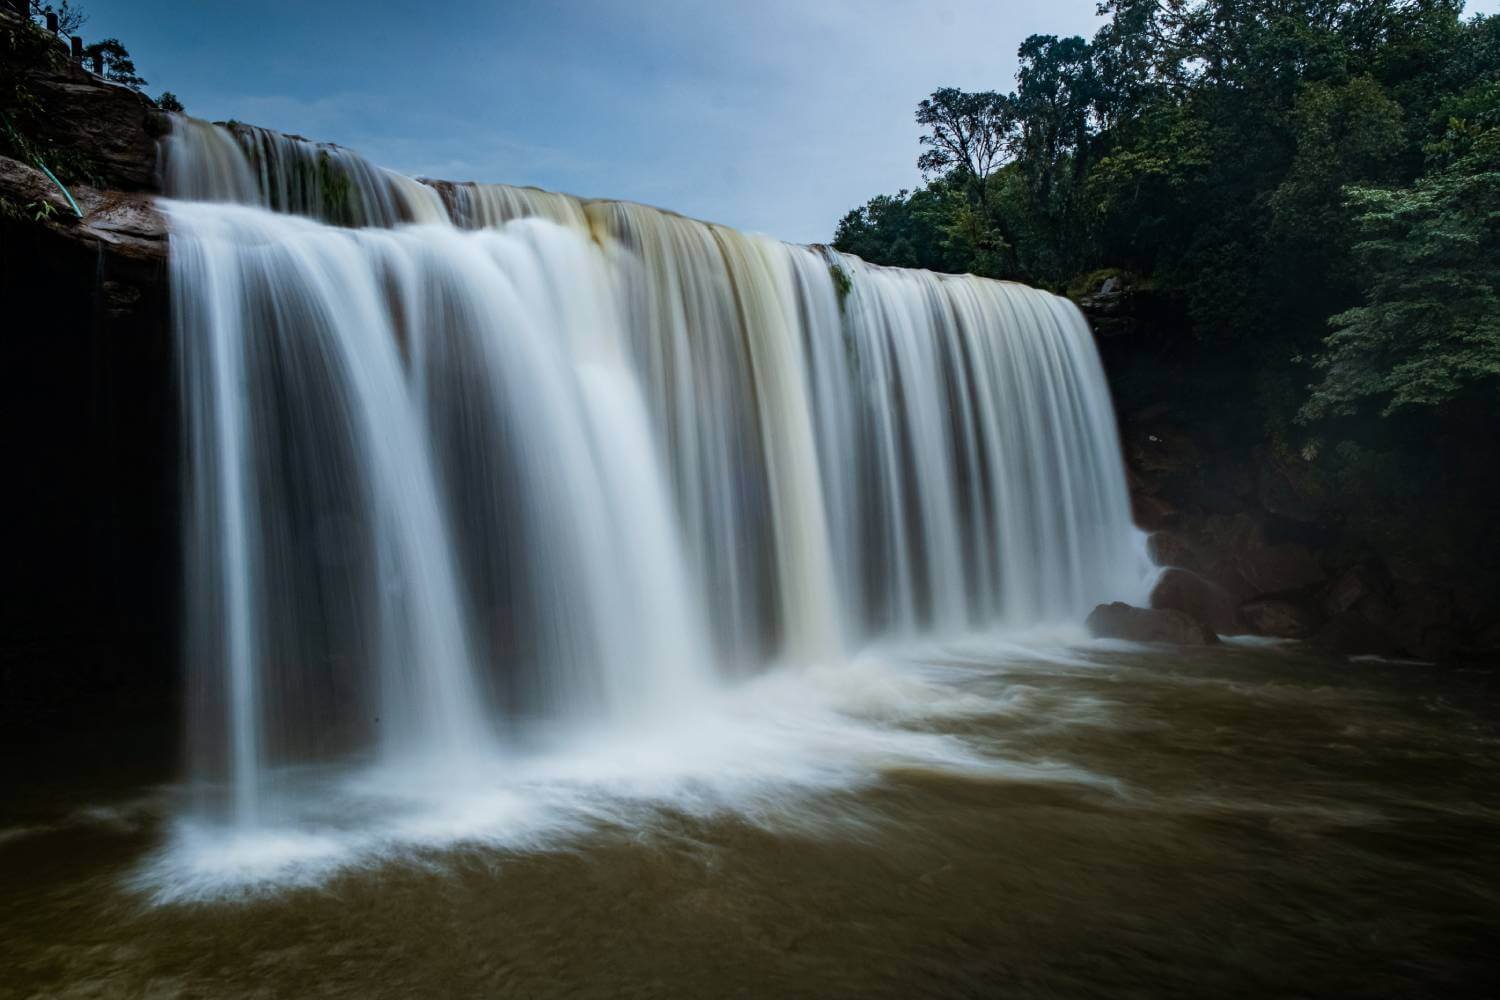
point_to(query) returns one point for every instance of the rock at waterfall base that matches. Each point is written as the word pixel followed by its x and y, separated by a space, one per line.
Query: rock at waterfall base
pixel 1198 598
pixel 1123 621
pixel 1279 619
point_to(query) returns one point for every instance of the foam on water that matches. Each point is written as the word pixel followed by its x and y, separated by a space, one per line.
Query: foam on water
pixel 769 751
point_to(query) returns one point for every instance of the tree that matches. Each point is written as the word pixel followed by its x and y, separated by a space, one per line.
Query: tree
pixel 118 65
pixel 168 102
pixel 923 228
pixel 968 137
pixel 69 18
pixel 967 133
pixel 1429 330
pixel 1053 105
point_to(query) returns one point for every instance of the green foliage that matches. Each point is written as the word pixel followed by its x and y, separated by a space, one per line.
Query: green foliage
pixel 1343 133
pixel 69 18
pixel 36 210
pixel 966 133
pixel 1086 284
pixel 925 228
pixel 1428 332
pixel 22 47
pixel 168 102
pixel 1271 166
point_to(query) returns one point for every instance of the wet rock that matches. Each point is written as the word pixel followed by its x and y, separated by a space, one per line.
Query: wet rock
pixel 1224 486
pixel 1219 547
pixel 1352 634
pixel 1107 305
pixel 1122 621
pixel 1354 585
pixel 1201 599
pixel 1276 569
pixel 126 228
pixel 1425 620
pixel 1156 450
pixel 116 127
pixel 1287 487
pixel 1228 534
pixel 1278 618
pixel 1436 643
pixel 1152 513
pixel 27 187
pixel 1170 548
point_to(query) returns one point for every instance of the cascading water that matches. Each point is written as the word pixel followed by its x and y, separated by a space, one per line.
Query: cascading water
pixel 257 166
pixel 539 466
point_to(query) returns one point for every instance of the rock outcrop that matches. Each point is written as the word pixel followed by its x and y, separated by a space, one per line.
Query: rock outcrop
pixel 1123 621
pixel 88 425
pixel 1278 618
pixel 108 128
pixel 1183 590
pixel 1257 537
pixel 126 227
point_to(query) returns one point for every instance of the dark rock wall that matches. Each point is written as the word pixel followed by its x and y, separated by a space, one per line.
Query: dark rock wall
pixel 1262 538
pixel 88 434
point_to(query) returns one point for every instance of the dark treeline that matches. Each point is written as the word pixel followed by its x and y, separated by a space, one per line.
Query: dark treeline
pixel 1316 183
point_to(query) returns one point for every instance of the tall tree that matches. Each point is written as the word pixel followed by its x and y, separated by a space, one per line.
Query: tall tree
pixel 1428 331
pixel 968 137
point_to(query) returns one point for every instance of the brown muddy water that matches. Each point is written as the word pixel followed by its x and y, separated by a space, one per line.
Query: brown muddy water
pixel 984 821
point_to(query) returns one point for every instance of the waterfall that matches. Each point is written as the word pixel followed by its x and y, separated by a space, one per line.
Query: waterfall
pixel 471 466
pixel 257 166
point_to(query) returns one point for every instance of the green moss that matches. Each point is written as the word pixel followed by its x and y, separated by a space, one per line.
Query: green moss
pixel 1083 285
pixel 842 284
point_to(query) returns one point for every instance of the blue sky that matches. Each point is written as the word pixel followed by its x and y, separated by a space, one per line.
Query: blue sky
pixel 771 115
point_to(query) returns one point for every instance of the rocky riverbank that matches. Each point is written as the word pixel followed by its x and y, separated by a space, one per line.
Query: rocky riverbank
pixel 1263 540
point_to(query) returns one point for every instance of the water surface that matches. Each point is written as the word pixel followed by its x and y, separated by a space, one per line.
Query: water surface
pixel 987 819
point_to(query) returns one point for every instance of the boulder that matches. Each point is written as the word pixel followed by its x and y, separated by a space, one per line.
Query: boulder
pixel 1231 551
pixel 1170 548
pixel 1278 618
pixel 1425 620
pixel 1122 621
pixel 1201 599
pixel 1107 305
pixel 1158 450
pixel 1352 634
pixel 1277 569
pixel 1353 586
pixel 1152 513
pixel 1222 537
pixel 1216 548
pixel 1223 486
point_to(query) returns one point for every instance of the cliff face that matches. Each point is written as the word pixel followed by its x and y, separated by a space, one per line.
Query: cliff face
pixel 1265 540
pixel 87 424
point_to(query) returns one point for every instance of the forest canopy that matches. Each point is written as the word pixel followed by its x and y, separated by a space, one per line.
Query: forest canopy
pixel 1316 182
